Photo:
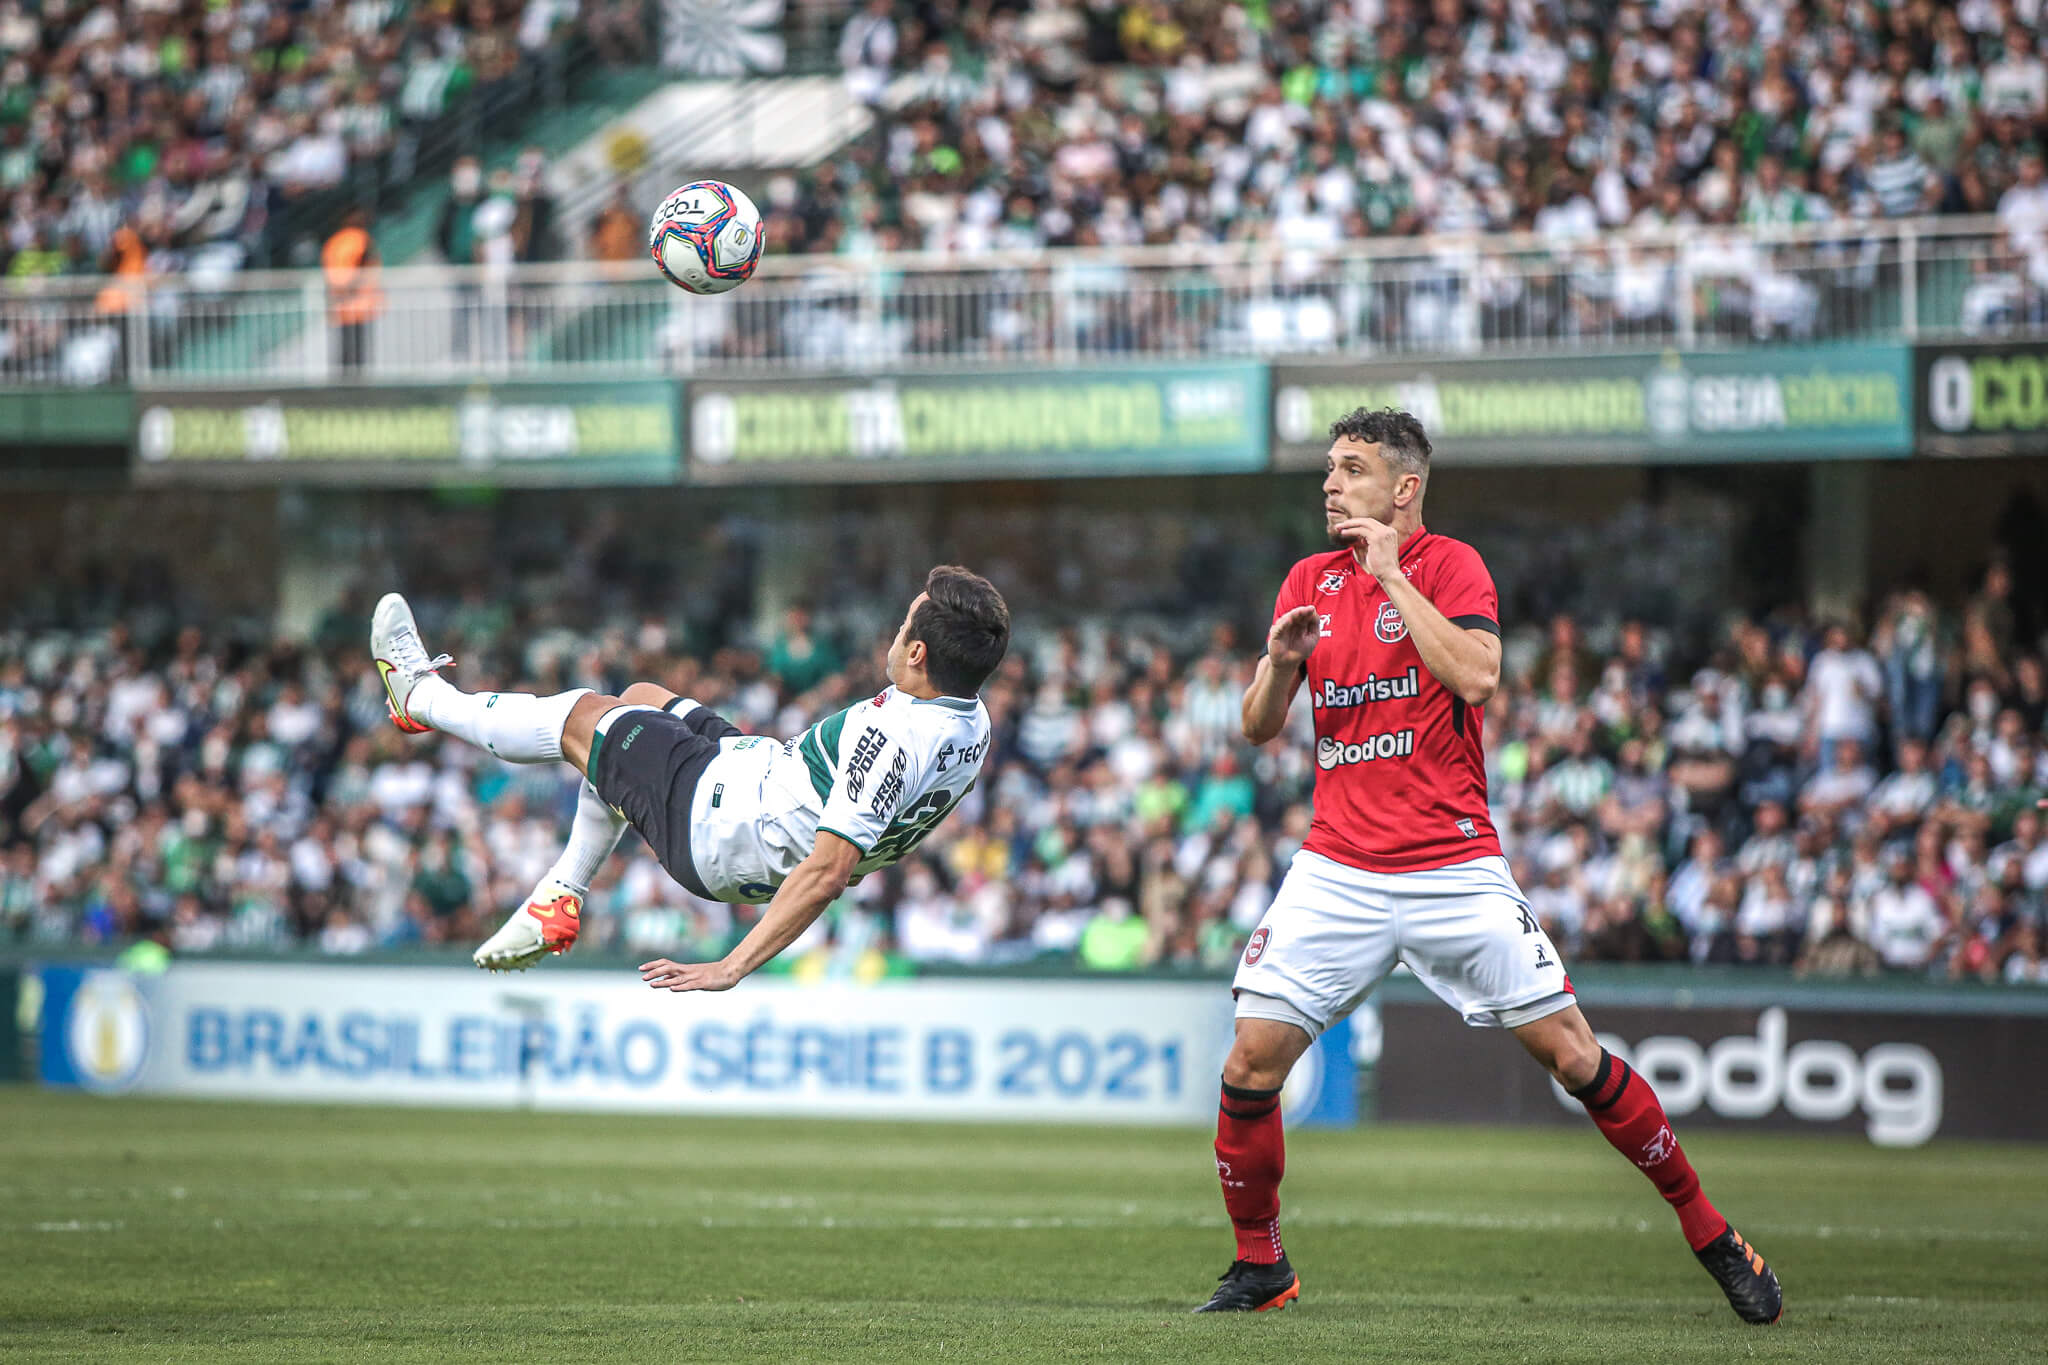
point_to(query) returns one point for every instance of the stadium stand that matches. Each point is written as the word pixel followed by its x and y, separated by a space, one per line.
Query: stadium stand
pixel 1314 123
pixel 1007 124
pixel 1780 792
pixel 174 138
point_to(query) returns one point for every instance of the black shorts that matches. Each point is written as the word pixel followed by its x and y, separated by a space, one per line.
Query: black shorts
pixel 648 767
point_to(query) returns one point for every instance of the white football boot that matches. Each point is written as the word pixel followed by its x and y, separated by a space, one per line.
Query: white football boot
pixel 547 923
pixel 401 659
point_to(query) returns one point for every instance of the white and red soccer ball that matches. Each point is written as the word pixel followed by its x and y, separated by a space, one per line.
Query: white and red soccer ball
pixel 706 237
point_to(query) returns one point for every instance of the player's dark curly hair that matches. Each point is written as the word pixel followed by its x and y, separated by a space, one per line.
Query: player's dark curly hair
pixel 965 626
pixel 1402 441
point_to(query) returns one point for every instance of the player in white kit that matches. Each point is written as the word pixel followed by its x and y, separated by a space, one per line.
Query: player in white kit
pixel 731 816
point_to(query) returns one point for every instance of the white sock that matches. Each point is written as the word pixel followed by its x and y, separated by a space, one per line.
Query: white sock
pixel 516 726
pixel 592 838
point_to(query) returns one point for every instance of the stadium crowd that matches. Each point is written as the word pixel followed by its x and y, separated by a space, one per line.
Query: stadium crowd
pixel 1806 797
pixel 1324 120
pixel 168 137
pixel 1638 148
pixel 1009 123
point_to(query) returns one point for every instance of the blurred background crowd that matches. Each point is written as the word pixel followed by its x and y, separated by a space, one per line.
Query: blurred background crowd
pixel 175 134
pixel 1782 792
pixel 1113 123
pixel 173 137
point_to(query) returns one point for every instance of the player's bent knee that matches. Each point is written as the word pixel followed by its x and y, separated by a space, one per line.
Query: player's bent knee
pixel 1564 1045
pixel 1261 1060
pixel 1248 1074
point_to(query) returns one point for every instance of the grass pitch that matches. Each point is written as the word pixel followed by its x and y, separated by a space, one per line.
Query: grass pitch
pixel 171 1231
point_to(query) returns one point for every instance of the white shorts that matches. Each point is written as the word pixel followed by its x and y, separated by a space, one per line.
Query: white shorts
pixel 1334 932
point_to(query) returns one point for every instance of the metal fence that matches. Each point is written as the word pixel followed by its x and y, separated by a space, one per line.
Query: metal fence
pixel 1499 295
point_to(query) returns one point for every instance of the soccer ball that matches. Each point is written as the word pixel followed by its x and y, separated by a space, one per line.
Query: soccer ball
pixel 706 237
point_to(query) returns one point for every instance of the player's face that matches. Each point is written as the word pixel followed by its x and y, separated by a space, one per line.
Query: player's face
pixel 899 648
pixel 1356 483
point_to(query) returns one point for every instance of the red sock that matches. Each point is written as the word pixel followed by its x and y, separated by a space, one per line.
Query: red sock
pixel 1627 1111
pixel 1251 1156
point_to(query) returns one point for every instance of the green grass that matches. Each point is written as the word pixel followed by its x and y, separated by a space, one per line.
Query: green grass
pixel 163 1231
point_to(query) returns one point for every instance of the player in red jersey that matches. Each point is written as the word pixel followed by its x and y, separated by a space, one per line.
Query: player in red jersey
pixel 1396 638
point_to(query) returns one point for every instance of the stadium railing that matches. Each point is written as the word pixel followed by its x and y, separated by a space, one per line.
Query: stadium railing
pixel 1699 287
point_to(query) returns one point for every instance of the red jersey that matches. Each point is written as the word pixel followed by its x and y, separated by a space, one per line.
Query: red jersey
pixel 1402 780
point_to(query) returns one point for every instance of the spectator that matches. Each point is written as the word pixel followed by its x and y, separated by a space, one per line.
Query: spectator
pixel 1907 793
pixel 354 300
pixel 534 232
pixel 1841 786
pixel 801 657
pixel 1115 939
pixel 1843 685
pixel 1836 950
pixel 867 49
pixel 455 236
pixel 1900 180
pixel 617 234
pixel 2023 209
pixel 1906 922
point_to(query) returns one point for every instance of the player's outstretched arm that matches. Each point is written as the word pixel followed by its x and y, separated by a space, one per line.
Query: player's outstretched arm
pixel 1288 645
pixel 814 884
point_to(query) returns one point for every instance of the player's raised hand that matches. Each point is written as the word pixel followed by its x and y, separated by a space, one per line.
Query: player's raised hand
pixel 1381 543
pixel 1293 638
pixel 664 975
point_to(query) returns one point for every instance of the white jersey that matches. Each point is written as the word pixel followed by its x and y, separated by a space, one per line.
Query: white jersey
pixel 880 775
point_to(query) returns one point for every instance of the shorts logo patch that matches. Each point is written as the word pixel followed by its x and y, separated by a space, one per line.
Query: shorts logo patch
pixel 1256 949
pixel 1388 625
pixel 631 735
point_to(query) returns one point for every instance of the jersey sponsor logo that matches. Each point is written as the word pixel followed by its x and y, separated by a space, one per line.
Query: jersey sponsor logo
pixel 1323 619
pixel 1334 580
pixel 1337 696
pixel 950 755
pixel 1388 625
pixel 1543 955
pixel 861 761
pixel 1256 949
pixel 1332 753
pixel 1469 828
pixel 890 789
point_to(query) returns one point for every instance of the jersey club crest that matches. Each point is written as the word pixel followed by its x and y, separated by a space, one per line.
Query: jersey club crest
pixel 1388 625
